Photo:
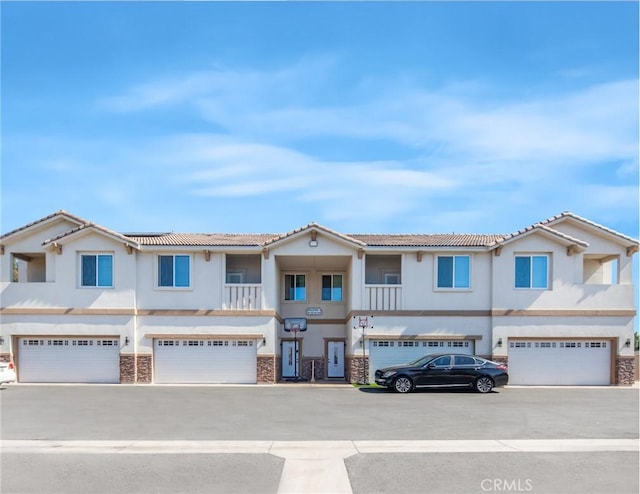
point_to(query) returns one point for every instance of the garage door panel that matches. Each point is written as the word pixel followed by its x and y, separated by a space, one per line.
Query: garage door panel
pixel 69 360
pixel 384 353
pixel 566 362
pixel 205 361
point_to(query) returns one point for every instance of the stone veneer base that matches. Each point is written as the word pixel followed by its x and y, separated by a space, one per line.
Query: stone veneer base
pixel 354 366
pixel 129 364
pixel 266 369
pixel 625 370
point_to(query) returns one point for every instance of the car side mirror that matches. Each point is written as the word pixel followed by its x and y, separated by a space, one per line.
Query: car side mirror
pixel 431 366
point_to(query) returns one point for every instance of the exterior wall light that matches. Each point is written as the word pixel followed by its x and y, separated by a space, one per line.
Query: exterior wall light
pixel 1 340
pixel 499 341
pixel 126 341
pixel 627 343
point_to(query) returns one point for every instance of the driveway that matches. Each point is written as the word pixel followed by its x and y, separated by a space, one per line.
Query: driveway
pixel 299 439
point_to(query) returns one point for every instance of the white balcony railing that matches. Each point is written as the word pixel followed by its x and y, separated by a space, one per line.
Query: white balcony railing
pixel 383 297
pixel 242 296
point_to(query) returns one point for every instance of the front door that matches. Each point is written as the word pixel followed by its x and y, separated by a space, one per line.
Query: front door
pixel 290 358
pixel 335 357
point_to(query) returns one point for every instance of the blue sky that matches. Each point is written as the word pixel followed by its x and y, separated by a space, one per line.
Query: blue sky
pixel 365 117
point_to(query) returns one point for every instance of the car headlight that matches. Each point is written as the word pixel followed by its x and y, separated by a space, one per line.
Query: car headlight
pixel 389 374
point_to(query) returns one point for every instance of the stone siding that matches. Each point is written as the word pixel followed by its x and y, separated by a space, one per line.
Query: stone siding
pixel 353 368
pixel 127 369
pixel 144 364
pixel 5 357
pixel 319 368
pixel 266 369
pixel 625 370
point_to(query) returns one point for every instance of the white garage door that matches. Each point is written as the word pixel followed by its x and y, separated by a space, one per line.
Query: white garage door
pixel 69 360
pixel 205 361
pixel 384 353
pixel 556 362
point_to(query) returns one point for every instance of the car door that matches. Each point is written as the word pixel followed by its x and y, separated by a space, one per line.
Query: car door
pixel 437 372
pixel 464 370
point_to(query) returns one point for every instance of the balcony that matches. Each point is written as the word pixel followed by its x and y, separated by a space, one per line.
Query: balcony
pixel 242 296
pixel 383 297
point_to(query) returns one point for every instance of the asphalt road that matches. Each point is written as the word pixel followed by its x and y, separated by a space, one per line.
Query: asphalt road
pixel 300 413
pixel 313 413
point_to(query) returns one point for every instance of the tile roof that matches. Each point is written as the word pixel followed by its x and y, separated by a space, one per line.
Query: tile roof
pixel 569 214
pixel 315 226
pixel 544 228
pixel 427 240
pixel 42 220
pixel 263 239
pixel 92 226
pixel 259 240
pixel 203 239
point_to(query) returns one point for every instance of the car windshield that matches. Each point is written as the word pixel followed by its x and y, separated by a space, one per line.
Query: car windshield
pixel 422 360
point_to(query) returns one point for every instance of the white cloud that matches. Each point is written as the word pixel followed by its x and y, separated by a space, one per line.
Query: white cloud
pixel 460 151
pixel 282 106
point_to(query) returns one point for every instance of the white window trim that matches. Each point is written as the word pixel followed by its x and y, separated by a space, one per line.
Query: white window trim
pixel 532 255
pixel 331 301
pixel 156 273
pixel 306 287
pixel 437 288
pixel 96 253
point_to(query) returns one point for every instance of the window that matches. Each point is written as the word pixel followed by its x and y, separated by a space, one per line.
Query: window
pixel 531 272
pixel 458 344
pixel 173 271
pixel 295 287
pixel 464 360
pixel 383 343
pixel 97 270
pixel 332 287
pixel 442 361
pixel 453 272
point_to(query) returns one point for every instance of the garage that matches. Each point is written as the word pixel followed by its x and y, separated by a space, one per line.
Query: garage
pixel 201 361
pixel 560 362
pixel 385 353
pixel 54 359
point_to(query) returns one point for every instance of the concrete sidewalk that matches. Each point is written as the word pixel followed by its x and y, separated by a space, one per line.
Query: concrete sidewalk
pixel 318 467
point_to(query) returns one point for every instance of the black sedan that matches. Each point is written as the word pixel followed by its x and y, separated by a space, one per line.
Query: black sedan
pixel 444 371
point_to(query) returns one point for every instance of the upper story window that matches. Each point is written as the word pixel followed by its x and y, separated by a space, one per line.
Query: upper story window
pixel 96 270
pixel 174 271
pixel 454 272
pixel 532 271
pixel 295 287
pixel 332 287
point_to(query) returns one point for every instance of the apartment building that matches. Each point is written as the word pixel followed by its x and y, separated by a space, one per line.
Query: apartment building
pixel 82 303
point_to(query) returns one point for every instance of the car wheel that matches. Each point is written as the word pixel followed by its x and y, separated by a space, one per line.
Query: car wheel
pixel 483 384
pixel 402 384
